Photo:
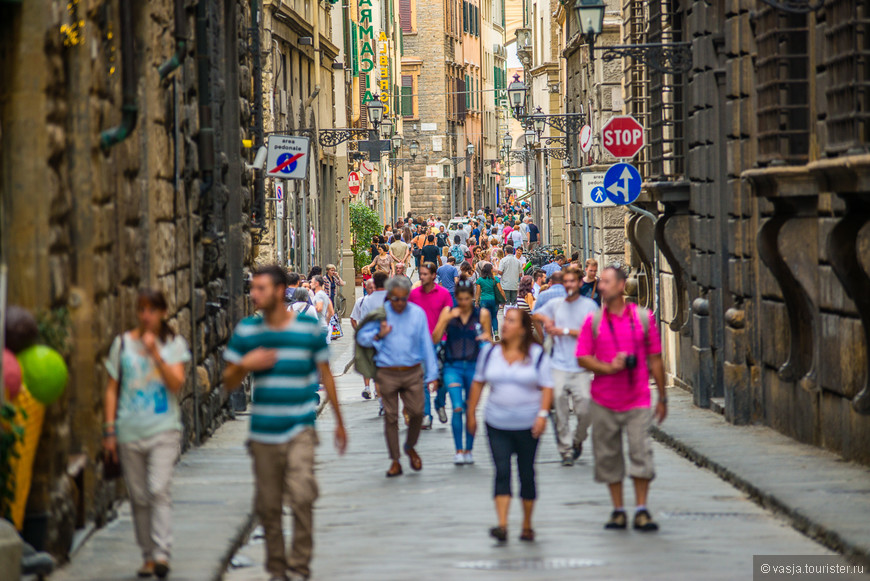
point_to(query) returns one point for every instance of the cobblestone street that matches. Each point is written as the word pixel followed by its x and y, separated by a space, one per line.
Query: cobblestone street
pixel 433 524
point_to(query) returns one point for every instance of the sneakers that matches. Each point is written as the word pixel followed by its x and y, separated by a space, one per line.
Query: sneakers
pixel 459 459
pixel 578 450
pixel 643 521
pixel 618 520
pixel 469 459
pixel 427 423
pixel 366 394
pixel 442 415
pixel 146 570
pixel 567 461
pixel 161 569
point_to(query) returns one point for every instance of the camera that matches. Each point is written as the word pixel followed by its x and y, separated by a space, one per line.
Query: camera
pixel 630 361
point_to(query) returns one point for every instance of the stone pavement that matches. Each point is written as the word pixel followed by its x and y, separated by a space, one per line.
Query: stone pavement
pixel 817 491
pixel 433 524
pixel 212 494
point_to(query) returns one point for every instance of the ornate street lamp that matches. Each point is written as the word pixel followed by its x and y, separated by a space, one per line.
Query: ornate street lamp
pixel 397 141
pixel 670 58
pixel 539 121
pixel 414 148
pixel 375 110
pixel 531 137
pixel 469 150
pixel 590 17
pixel 386 128
pixel 517 96
pixel 507 141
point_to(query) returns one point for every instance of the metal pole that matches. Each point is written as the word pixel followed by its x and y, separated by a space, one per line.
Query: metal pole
pixel 584 215
pixel 303 234
pixel 279 226
pixel 468 185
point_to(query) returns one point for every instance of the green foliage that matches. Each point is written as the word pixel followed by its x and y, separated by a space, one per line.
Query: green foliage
pixel 11 432
pixel 54 329
pixel 364 223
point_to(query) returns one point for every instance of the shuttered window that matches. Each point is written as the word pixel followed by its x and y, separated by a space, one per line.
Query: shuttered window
pixel 405 17
pixel 465 16
pixel 407 96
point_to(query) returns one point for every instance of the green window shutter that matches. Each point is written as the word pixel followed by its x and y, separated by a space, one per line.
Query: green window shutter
pixel 465 16
pixel 407 96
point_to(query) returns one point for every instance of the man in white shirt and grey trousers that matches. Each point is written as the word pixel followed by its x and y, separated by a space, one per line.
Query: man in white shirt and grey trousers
pixel 562 319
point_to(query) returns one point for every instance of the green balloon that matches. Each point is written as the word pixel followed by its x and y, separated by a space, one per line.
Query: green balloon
pixel 44 372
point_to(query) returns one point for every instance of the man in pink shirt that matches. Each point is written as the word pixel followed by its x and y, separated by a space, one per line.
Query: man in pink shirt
pixel 432 298
pixel 622 350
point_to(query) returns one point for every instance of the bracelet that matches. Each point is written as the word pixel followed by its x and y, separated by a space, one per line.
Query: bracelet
pixel 108 425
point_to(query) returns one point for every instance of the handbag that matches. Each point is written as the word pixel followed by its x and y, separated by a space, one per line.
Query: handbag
pixel 111 466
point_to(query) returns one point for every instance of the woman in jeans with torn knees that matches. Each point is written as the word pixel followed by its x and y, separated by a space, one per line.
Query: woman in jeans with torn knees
pixel 463 328
pixel 143 424
pixel 518 372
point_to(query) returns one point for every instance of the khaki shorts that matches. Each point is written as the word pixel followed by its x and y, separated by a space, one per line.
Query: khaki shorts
pixel 607 429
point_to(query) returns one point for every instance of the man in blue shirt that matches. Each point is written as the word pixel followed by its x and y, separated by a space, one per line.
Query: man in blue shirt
pixel 405 360
pixel 554 266
pixel 447 276
pixel 556 290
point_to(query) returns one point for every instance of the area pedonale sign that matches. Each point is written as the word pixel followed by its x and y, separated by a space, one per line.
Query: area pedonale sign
pixel 622 137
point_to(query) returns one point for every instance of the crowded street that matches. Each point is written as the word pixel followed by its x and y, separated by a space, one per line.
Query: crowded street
pixel 466 290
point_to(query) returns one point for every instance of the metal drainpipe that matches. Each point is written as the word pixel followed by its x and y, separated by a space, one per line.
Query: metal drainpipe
pixel 176 59
pixel 206 131
pixel 656 288
pixel 129 109
pixel 259 180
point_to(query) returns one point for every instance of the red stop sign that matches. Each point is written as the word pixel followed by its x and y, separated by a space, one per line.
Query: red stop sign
pixel 622 137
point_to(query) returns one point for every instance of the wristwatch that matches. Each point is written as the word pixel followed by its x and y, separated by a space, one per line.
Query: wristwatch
pixel 566 331
pixel 543 414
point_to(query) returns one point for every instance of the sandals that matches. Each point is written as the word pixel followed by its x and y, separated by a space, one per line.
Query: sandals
pixel 528 535
pixel 499 534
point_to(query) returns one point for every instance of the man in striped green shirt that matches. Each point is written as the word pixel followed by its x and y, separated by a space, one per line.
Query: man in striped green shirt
pixel 287 355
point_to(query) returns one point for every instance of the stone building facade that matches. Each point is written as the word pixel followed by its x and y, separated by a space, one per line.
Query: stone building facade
pixel 595 89
pixel 83 226
pixel 757 173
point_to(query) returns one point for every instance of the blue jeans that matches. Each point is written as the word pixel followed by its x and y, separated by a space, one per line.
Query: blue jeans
pixel 458 376
pixel 440 395
pixel 492 307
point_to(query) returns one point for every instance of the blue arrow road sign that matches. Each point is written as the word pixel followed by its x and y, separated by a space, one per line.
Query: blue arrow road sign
pixel 622 183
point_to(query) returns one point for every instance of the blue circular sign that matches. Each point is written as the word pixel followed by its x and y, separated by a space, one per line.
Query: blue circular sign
pixel 283 159
pixel 622 183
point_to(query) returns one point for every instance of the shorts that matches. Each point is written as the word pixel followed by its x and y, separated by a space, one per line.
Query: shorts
pixel 608 427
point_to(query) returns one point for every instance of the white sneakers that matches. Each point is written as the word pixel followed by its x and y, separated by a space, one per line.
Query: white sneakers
pixel 463 458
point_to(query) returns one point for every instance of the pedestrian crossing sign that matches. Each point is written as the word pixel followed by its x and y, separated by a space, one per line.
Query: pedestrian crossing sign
pixel 287 158
pixel 594 194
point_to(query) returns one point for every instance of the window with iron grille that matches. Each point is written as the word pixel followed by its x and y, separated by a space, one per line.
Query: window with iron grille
pixel 634 27
pixel 782 70
pixel 847 59
pixel 666 93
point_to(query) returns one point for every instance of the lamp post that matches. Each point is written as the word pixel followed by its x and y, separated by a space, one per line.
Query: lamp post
pixel 671 58
pixel 469 154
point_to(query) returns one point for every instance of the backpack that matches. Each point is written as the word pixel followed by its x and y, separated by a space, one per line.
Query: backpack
pixel 457 253
pixel 642 313
pixel 364 357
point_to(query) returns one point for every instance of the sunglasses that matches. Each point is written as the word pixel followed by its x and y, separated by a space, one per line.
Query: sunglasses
pixel 398 299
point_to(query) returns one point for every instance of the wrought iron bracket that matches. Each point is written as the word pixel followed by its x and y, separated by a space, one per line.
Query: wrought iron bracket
pixel 333 137
pixel 567 123
pixel 796 6
pixel 520 155
pixel 557 152
pixel 398 161
pixel 556 141
pixel 669 58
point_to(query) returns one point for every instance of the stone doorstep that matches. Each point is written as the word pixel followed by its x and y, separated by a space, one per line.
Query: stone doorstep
pixel 704 437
